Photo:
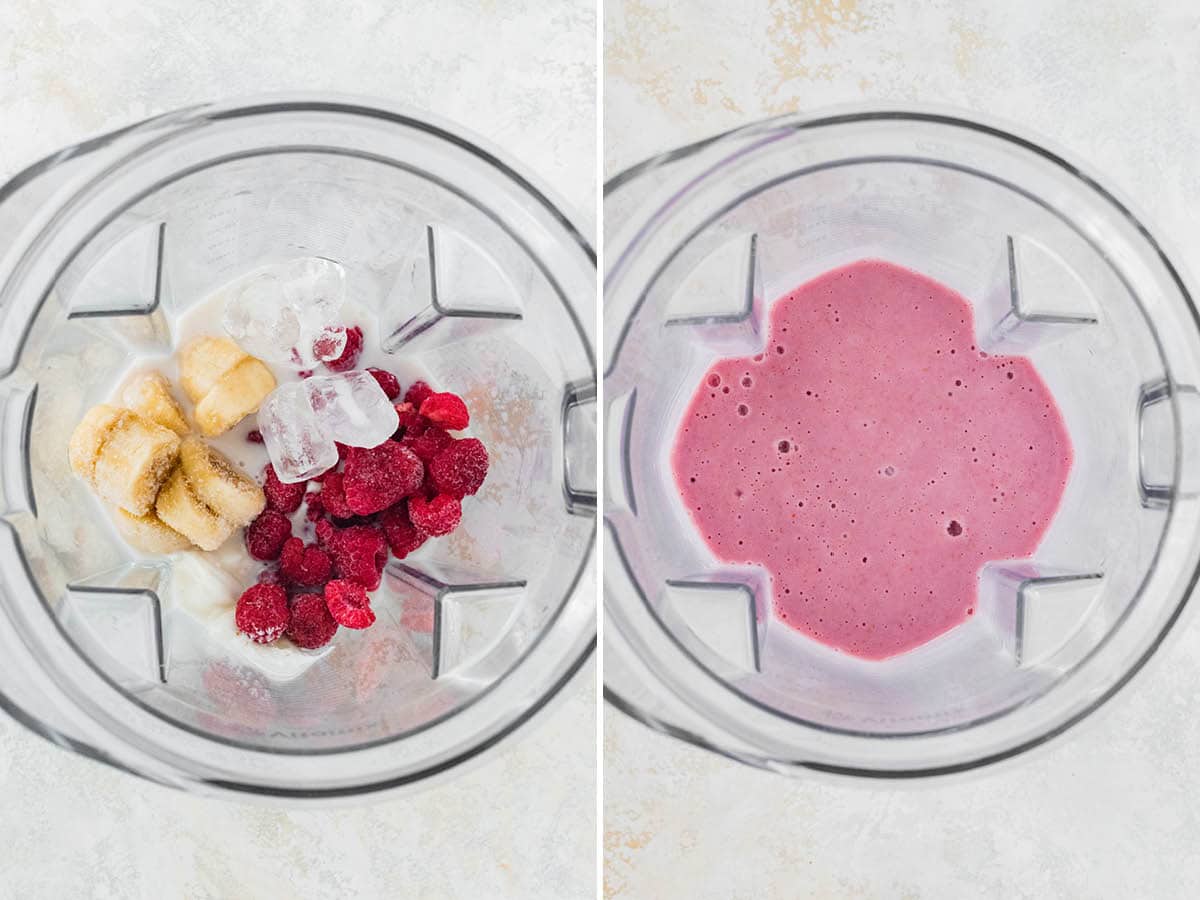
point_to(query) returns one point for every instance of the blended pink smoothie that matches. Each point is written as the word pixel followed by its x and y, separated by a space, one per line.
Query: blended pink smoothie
pixel 872 459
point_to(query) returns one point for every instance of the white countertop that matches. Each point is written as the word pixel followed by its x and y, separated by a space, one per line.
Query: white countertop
pixel 522 825
pixel 1112 809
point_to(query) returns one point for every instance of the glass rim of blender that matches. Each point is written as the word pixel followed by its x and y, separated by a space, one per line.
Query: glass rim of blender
pixel 478 150
pixel 779 127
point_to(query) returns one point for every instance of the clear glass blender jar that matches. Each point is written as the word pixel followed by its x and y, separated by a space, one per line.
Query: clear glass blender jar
pixel 469 273
pixel 700 241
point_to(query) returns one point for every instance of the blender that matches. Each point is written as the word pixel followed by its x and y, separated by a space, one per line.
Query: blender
pixel 468 273
pixel 701 241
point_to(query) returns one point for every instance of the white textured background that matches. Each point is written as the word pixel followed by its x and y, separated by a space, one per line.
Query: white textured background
pixel 1113 810
pixel 519 72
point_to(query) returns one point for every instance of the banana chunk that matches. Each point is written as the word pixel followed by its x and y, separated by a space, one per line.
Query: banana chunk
pixel 237 394
pixel 221 487
pixel 150 395
pixel 133 462
pixel 88 437
pixel 202 362
pixel 149 533
pixel 180 508
pixel 226 383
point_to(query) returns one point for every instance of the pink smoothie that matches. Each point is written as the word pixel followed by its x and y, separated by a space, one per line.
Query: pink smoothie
pixel 872 459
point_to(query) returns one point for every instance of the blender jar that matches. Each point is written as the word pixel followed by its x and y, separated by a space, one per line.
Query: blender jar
pixel 466 272
pixel 700 242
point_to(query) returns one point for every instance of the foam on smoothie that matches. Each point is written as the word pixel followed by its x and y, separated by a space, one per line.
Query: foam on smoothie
pixel 872 459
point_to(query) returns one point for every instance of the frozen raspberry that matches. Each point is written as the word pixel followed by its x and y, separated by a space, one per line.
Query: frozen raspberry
pixel 313 507
pixel 428 443
pixel 447 410
pixel 359 554
pixel 266 534
pixel 412 423
pixel 305 566
pixel 254 437
pixel 402 536
pixel 325 532
pixel 389 382
pixel 312 626
pixel 417 393
pixel 377 477
pixel 333 496
pixel 284 497
pixel 438 516
pixel 460 468
pixel 262 613
pixel 349 357
pixel 348 604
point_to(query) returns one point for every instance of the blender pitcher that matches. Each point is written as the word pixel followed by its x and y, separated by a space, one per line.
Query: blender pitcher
pixel 467 273
pixel 700 242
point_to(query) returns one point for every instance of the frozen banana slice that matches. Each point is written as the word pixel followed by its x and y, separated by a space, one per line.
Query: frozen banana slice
pixel 149 533
pixel 237 394
pixel 202 362
pixel 180 508
pixel 150 395
pixel 134 461
pixel 228 492
pixel 88 437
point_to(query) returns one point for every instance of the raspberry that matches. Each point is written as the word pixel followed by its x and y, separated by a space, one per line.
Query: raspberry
pixel 266 534
pixel 314 507
pixel 377 477
pixel 447 410
pixel 348 604
pixel 306 566
pixel 359 554
pixel 402 536
pixel 412 424
pixel 428 443
pixel 254 437
pixel 438 516
pixel 349 357
pixel 417 393
pixel 333 496
pixel 262 613
pixel 284 497
pixel 460 468
pixel 312 626
pixel 389 382
pixel 325 532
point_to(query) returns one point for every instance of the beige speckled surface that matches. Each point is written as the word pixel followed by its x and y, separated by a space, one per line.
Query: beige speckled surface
pixel 522 825
pixel 1109 811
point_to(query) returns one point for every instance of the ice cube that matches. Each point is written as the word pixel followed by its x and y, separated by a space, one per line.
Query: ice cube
pixel 258 319
pixel 287 313
pixel 329 344
pixel 352 408
pixel 298 445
